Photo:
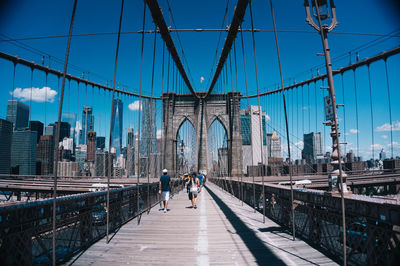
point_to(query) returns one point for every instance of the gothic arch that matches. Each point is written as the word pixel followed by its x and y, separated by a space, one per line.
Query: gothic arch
pixel 182 120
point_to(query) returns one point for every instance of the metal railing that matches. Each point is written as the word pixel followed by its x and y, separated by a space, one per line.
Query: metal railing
pixel 26 229
pixel 372 225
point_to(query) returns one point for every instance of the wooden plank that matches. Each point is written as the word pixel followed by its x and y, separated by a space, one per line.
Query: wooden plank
pixel 219 232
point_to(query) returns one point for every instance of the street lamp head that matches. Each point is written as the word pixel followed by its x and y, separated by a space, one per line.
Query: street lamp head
pixel 321 10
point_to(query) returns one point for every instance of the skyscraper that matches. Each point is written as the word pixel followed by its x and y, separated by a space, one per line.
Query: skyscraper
pixel 70 118
pixel 148 143
pixel 87 124
pixel 45 154
pixel 64 130
pixel 38 127
pixel 312 147
pixel 50 130
pixel 250 129
pixel 100 142
pixel 91 149
pixel 130 152
pixel 117 126
pixel 23 152
pixel 101 163
pixel 18 114
pixel 130 137
pixel 6 131
pixel 274 145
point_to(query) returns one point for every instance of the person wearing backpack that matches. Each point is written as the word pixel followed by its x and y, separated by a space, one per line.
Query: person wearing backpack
pixel 194 189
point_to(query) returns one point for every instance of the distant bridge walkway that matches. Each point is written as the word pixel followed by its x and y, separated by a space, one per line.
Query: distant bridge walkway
pixel 219 232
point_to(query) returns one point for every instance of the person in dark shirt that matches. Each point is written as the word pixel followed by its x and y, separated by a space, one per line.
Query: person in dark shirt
pixel 165 188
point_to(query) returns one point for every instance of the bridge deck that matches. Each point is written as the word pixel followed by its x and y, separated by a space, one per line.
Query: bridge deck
pixel 220 232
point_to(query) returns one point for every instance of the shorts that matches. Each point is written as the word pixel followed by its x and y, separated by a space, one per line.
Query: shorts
pixel 165 195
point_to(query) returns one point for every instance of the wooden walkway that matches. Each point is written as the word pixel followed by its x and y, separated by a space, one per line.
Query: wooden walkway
pixel 219 232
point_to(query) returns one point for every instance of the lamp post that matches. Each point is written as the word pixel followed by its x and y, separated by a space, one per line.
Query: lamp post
pixel 320 10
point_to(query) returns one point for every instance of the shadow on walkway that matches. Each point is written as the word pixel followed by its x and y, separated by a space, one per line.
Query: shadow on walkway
pixel 260 251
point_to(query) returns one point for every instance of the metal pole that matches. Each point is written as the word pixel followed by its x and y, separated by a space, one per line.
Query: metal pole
pixel 55 169
pixel 334 126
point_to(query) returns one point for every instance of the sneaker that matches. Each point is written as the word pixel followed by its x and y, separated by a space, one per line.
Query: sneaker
pixel 165 210
pixel 195 206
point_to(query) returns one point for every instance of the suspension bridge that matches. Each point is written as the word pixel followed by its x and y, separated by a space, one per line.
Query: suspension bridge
pixel 304 171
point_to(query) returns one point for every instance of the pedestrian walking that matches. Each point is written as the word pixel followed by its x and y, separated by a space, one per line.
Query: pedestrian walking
pixel 194 189
pixel 165 188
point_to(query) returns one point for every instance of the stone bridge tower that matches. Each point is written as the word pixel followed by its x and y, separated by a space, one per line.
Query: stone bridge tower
pixel 201 113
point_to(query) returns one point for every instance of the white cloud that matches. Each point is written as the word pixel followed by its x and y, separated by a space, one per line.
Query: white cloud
pixel 267 118
pixel 395 144
pixel 134 106
pixel 305 107
pixel 386 127
pixel 354 131
pixel 384 136
pixel 376 146
pixel 45 94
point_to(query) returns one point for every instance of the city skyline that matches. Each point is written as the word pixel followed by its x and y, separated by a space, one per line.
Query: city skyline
pixel 345 49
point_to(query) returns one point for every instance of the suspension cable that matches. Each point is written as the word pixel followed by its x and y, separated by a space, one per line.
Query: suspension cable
pixel 111 120
pixel 390 109
pixel 371 113
pixel 286 120
pixel 150 135
pixel 356 101
pixel 30 97
pixel 236 75
pixel 249 115
pixel 259 108
pixel 58 135
pixel 344 113
pixel 140 110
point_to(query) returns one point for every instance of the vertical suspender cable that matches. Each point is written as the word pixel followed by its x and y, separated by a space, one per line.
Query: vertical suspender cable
pixel 139 111
pixel 372 114
pixel 111 122
pixel 58 134
pixel 150 137
pixel 297 119
pixel 390 109
pixel 316 107
pixel 259 110
pixel 286 121
pixel 248 106
pixel 162 92
pixel 356 100
pixel 162 69
pixel 309 108
pixel 234 50
pixel 169 61
pixel 237 89
pixel 30 98
pixel 45 100
pixel 344 114
pixel 13 82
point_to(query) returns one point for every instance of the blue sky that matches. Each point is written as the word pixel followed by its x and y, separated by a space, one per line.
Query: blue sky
pixel 96 55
